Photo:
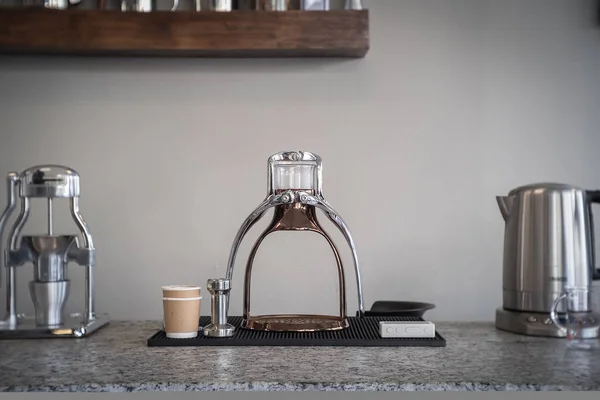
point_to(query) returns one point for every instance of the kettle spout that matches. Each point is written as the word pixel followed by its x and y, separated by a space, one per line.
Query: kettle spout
pixel 505 203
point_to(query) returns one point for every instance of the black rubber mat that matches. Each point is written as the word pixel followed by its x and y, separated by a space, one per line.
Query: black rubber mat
pixel 362 332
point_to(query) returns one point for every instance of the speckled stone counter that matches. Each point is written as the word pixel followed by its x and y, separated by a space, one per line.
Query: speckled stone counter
pixel 477 357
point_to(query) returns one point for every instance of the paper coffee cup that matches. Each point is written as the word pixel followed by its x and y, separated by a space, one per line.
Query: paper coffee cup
pixel 181 316
pixel 176 291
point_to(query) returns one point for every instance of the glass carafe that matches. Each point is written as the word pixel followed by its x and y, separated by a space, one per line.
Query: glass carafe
pixel 578 319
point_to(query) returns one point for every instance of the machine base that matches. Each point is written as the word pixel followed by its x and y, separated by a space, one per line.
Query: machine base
pixel 295 323
pixel 539 324
pixel 74 327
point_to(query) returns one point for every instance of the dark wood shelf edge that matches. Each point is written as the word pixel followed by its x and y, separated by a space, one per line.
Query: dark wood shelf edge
pixel 133 53
pixel 236 34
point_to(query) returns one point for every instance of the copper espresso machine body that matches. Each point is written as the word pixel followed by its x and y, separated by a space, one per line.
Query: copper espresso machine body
pixel 295 204
pixel 49 253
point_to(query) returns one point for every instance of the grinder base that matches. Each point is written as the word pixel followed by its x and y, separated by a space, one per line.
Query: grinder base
pixel 539 324
pixel 295 323
pixel 74 326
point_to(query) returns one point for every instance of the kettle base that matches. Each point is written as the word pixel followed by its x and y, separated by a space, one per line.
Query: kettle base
pixel 537 324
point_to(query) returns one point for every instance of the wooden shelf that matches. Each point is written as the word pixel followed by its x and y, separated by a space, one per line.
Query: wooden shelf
pixel 342 33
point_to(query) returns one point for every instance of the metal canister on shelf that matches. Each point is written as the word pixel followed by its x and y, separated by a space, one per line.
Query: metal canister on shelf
pixel 353 5
pixel 277 5
pixel 144 5
pixel 138 5
pixel 53 4
pixel 315 5
pixel 213 5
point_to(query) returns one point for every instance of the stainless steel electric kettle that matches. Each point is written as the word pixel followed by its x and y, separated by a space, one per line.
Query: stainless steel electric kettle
pixel 548 249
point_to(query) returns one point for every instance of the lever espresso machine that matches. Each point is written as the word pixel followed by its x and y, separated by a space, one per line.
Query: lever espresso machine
pixel 295 193
pixel 49 253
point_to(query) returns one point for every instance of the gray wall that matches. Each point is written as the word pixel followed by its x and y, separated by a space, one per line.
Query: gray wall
pixel 456 102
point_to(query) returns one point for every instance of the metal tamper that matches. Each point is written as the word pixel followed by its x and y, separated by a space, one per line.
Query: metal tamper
pixel 219 289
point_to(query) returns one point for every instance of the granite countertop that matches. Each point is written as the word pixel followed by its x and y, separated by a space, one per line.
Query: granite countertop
pixel 116 358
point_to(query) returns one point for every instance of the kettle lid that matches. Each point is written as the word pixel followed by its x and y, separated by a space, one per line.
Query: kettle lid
pixel 546 186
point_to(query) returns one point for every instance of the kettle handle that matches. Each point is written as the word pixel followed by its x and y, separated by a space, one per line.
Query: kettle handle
pixel 554 313
pixel 594 197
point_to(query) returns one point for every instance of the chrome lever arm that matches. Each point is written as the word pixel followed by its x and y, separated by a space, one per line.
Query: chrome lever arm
pixel 12 182
pixel 322 204
pixel 257 214
pixel 83 255
pixel 269 202
pixel 15 250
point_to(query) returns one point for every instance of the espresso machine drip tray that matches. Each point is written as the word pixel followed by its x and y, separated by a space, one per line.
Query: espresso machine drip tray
pixel 361 332
pixel 295 323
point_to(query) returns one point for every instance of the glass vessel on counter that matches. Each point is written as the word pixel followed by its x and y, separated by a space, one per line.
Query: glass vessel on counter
pixel 577 317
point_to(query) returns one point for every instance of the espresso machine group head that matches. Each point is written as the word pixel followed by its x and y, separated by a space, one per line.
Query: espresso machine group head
pixel 295 193
pixel 49 253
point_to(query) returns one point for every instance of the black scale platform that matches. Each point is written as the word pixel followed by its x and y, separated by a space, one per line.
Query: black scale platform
pixel 362 332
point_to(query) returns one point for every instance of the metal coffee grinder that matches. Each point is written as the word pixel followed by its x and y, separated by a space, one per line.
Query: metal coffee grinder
pixel 49 253
pixel 295 193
